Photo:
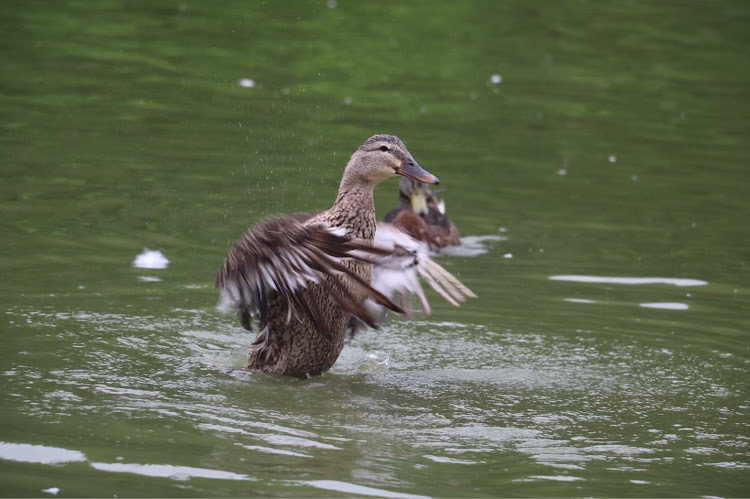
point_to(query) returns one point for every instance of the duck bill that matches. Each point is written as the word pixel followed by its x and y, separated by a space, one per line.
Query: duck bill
pixel 410 168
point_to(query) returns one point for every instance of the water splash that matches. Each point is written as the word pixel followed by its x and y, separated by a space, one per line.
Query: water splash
pixel 472 246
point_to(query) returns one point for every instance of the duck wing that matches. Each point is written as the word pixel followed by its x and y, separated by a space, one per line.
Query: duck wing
pixel 277 261
pixel 399 273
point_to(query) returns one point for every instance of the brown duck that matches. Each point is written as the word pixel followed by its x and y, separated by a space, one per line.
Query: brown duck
pixel 421 214
pixel 306 277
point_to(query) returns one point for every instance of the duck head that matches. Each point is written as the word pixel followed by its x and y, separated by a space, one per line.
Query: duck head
pixel 382 157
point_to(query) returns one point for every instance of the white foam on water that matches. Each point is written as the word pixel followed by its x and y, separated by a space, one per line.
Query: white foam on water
pixel 150 259
pixel 471 246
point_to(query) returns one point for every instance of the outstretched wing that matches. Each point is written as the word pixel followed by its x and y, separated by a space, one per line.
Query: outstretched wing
pixel 277 261
pixel 399 273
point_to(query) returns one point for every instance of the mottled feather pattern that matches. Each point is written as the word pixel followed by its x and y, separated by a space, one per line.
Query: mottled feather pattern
pixel 281 257
pixel 379 139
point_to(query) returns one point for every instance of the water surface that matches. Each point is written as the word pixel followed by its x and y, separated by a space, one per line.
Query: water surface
pixel 595 158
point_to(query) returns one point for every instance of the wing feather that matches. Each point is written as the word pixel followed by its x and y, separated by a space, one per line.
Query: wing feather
pixel 399 273
pixel 275 263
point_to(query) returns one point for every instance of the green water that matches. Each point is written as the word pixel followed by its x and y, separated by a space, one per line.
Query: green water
pixel 612 142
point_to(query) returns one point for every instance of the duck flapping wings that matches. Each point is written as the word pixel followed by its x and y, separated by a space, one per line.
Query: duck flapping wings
pixel 281 259
pixel 398 275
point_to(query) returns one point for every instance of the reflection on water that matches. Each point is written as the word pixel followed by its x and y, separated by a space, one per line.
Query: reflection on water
pixel 667 306
pixel 454 395
pixel 168 471
pixel 351 489
pixel 42 454
pixel 579 300
pixel 628 280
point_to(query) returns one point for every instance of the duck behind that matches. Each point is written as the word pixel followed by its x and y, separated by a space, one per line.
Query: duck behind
pixel 421 214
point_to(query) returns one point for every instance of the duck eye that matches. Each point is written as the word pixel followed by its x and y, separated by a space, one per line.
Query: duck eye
pixel 383 148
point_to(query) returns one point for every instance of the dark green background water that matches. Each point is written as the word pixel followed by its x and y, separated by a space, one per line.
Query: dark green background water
pixel 615 144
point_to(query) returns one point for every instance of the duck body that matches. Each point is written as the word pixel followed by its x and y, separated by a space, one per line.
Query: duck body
pixel 297 348
pixel 306 279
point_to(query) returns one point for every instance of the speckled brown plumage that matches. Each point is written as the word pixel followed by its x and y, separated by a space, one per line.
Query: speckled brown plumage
pixel 263 271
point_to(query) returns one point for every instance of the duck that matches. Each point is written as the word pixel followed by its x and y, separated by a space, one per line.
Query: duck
pixel 306 277
pixel 421 214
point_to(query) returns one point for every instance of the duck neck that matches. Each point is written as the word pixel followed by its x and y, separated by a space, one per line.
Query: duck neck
pixel 355 210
